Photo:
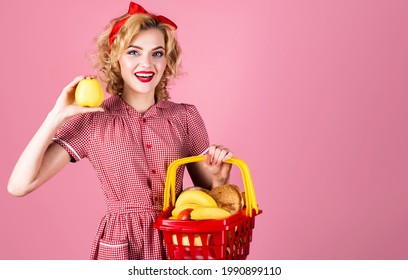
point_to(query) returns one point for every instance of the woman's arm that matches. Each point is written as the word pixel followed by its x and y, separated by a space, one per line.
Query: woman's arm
pixel 42 158
pixel 213 171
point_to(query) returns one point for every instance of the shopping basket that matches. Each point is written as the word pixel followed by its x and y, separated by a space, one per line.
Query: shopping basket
pixel 227 239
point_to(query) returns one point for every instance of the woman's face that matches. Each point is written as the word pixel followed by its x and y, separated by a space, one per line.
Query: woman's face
pixel 142 64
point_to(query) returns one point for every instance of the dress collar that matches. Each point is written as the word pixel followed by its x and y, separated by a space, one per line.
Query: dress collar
pixel 151 112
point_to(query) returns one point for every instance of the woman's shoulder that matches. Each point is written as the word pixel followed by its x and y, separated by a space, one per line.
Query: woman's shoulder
pixel 113 104
pixel 176 108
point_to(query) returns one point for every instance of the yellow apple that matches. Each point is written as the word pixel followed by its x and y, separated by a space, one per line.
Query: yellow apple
pixel 89 93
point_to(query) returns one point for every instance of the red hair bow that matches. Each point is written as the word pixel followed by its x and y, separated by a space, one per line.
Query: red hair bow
pixel 137 9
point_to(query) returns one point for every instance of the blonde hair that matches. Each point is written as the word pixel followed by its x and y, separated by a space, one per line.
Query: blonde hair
pixel 107 57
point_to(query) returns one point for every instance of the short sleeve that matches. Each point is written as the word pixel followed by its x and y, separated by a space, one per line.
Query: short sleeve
pixel 197 133
pixel 73 136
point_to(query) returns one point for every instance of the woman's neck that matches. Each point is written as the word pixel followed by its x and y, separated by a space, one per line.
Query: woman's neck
pixel 141 102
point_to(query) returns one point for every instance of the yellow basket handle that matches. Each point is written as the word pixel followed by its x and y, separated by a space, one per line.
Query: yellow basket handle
pixel 170 186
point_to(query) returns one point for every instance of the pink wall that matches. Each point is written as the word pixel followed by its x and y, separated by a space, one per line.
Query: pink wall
pixel 311 94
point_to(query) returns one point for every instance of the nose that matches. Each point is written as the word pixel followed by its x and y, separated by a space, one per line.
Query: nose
pixel 145 61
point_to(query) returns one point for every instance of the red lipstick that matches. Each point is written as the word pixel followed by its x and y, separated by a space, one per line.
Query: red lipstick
pixel 144 76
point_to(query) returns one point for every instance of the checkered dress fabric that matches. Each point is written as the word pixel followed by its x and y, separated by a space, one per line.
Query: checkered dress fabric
pixel 130 153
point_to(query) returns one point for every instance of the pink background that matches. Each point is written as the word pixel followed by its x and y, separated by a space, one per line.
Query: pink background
pixel 311 94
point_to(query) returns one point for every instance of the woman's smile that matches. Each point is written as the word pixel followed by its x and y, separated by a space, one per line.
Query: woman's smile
pixel 144 76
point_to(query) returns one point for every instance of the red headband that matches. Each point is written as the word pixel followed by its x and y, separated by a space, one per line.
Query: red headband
pixel 137 9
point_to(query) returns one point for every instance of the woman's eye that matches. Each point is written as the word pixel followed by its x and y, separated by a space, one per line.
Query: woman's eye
pixel 158 54
pixel 133 53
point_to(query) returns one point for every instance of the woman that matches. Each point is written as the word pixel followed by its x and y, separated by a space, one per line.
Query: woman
pixel 130 140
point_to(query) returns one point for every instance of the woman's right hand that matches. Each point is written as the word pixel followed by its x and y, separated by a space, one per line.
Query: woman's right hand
pixel 66 107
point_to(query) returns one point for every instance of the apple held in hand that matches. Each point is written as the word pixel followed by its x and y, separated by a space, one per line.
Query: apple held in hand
pixel 89 93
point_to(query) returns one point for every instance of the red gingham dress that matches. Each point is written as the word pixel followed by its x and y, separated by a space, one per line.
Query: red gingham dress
pixel 130 153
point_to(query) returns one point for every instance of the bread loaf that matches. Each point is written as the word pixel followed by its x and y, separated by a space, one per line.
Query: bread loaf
pixel 228 197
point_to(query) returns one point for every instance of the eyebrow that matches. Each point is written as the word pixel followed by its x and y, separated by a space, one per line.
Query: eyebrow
pixel 140 48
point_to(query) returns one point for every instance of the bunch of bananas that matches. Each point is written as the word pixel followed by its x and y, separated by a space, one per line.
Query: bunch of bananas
pixel 197 204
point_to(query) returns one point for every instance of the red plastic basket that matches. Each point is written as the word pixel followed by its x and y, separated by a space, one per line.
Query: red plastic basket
pixel 227 239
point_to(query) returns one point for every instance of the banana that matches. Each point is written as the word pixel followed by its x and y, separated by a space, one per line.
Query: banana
pixel 209 213
pixel 176 211
pixel 196 188
pixel 195 197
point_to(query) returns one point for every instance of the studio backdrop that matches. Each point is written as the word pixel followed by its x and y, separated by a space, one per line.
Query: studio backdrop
pixel 312 95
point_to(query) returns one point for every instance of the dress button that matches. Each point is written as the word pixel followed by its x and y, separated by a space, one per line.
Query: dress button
pixel 154 171
pixel 156 198
pixel 148 146
pixel 144 120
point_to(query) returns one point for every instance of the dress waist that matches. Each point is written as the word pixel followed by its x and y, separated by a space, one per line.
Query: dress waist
pixel 122 207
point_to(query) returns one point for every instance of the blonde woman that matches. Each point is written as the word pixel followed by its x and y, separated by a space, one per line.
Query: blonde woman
pixel 130 140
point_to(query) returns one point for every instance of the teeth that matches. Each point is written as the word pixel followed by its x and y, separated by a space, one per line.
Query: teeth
pixel 144 75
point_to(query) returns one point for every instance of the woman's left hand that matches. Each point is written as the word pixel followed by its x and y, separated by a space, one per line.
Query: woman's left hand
pixel 215 163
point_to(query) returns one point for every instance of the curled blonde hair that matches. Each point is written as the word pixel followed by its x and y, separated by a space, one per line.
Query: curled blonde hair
pixel 107 57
